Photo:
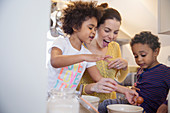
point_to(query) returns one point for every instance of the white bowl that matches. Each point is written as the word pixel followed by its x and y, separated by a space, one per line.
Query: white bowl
pixel 124 108
pixel 91 99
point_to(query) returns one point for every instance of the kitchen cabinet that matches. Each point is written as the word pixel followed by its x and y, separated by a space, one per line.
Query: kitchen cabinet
pixel 123 37
pixel 164 17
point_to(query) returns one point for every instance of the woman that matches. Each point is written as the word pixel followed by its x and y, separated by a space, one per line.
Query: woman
pixel 104 44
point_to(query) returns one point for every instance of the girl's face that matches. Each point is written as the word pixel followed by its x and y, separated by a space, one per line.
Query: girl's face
pixel 87 31
pixel 144 56
pixel 107 32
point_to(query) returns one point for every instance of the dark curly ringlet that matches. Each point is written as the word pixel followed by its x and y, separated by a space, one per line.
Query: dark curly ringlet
pixel 109 13
pixel 148 38
pixel 78 12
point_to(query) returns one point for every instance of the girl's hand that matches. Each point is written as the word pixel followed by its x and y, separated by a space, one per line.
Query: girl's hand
pixel 94 57
pixel 105 85
pixel 118 63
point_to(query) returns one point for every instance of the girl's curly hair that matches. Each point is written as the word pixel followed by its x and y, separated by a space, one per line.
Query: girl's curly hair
pixel 78 12
pixel 148 38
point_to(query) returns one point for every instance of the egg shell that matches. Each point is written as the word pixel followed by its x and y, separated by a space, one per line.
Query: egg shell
pixel 140 100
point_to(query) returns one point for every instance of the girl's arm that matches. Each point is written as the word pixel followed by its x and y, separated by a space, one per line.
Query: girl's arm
pixel 94 73
pixel 107 85
pixel 59 60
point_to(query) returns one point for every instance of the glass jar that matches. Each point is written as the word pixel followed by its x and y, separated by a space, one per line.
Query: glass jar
pixel 63 101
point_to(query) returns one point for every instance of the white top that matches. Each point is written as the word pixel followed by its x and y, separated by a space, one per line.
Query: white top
pixel 69 76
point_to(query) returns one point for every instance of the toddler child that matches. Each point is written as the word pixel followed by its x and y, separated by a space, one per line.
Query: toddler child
pixel 153 78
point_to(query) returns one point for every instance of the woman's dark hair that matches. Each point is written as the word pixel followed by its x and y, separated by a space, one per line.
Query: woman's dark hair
pixel 78 12
pixel 109 13
pixel 103 5
pixel 148 38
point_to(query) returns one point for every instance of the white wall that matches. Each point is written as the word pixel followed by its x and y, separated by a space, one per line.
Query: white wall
pixel 23 75
pixel 165 49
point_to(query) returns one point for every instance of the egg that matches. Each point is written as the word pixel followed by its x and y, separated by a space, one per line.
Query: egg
pixel 140 100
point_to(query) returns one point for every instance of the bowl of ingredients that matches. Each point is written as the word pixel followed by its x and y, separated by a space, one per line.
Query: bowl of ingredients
pixel 124 108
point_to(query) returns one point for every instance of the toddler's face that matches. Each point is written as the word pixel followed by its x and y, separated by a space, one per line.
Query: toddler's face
pixel 144 56
pixel 88 30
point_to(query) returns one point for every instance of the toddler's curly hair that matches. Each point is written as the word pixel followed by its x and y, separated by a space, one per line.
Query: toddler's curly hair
pixel 76 13
pixel 146 37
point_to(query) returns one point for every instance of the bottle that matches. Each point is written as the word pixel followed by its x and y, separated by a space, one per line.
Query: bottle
pixel 63 101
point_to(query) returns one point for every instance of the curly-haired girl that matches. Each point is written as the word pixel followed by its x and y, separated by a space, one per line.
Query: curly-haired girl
pixel 69 58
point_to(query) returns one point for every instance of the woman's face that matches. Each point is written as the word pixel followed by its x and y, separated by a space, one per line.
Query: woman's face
pixel 107 32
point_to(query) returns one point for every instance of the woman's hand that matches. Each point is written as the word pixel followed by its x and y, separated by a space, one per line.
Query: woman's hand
pixel 105 85
pixel 118 63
